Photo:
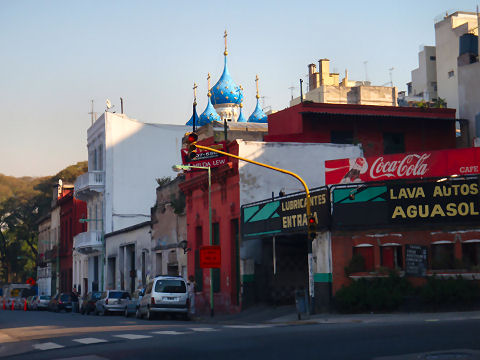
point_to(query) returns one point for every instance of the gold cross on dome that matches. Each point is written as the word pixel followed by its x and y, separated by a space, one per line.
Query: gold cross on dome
pixel 225 36
pixel 195 92
pixel 256 81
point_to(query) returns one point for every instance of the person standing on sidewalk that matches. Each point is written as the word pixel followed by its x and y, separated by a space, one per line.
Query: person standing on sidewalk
pixel 191 294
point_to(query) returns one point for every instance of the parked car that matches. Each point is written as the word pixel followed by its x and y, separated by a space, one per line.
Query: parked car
pixel 131 305
pixel 112 301
pixel 88 303
pixel 42 302
pixel 62 301
pixel 167 294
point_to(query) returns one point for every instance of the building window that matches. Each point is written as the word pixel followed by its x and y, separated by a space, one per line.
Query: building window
pixel 451 73
pixel 366 251
pixel 442 256
pixel 216 272
pixel 433 58
pixel 391 256
pixel 341 137
pixel 393 143
pixel 471 255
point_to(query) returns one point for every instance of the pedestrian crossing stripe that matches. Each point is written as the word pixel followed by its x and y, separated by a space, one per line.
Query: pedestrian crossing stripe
pixel 199 329
pixel 47 346
pixel 170 332
pixel 88 341
pixel 133 336
pixel 253 326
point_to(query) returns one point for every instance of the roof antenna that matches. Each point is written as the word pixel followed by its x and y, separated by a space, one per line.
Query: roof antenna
pixel 366 72
pixel 121 105
pixel 92 114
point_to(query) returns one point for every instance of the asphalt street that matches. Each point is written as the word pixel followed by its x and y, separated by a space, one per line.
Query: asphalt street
pixel 44 335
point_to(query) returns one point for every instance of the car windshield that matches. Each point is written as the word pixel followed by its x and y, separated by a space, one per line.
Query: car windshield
pixel 170 286
pixel 96 295
pixel 115 294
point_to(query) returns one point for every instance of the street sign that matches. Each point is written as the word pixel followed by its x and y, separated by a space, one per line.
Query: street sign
pixel 210 257
pixel 206 157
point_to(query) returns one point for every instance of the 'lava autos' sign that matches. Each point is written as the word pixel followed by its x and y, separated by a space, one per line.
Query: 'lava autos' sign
pixel 210 257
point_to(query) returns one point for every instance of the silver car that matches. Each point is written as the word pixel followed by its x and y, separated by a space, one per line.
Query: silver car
pixel 167 294
pixel 112 301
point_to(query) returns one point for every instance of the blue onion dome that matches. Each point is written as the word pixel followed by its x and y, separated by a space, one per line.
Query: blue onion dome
pixel 225 91
pixel 258 116
pixel 241 118
pixel 209 114
pixel 190 122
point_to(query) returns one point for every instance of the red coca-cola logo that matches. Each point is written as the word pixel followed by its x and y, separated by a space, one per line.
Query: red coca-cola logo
pixel 412 165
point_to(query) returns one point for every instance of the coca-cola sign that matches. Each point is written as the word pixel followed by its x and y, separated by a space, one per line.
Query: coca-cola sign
pixel 403 166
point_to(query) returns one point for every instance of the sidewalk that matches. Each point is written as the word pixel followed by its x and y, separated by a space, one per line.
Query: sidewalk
pixel 376 318
pixel 287 315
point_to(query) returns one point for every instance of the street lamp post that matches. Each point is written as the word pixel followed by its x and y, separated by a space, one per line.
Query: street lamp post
pixel 102 260
pixel 188 167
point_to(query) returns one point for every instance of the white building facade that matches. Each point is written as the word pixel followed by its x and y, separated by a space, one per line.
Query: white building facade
pixel 125 157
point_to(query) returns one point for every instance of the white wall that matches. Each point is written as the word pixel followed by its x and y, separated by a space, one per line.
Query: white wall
pixel 140 238
pixel 447 33
pixel 305 159
pixel 469 95
pixel 425 74
pixel 136 154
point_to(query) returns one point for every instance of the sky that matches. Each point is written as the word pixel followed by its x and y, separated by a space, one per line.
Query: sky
pixel 57 56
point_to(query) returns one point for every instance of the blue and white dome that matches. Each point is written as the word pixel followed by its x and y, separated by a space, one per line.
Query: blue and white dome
pixel 258 116
pixel 225 91
pixel 209 114
pixel 241 118
pixel 190 122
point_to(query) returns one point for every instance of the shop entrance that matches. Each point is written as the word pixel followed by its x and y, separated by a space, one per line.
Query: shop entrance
pixel 277 286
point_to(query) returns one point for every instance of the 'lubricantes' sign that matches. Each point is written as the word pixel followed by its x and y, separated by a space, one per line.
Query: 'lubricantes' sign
pixel 403 166
pixel 206 157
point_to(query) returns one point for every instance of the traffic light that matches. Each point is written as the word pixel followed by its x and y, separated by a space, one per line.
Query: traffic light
pixel 191 147
pixel 312 228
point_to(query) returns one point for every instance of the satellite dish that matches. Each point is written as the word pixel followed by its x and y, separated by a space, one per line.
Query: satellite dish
pixel 109 104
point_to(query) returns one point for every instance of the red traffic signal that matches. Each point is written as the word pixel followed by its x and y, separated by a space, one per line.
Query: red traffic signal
pixel 191 147
pixel 312 228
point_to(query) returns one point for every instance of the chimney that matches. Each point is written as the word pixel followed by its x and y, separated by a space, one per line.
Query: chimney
pixel 312 77
pixel 324 70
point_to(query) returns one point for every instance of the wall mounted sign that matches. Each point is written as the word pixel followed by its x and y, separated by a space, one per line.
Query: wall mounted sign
pixel 403 166
pixel 456 201
pixel 210 257
pixel 416 263
pixel 206 157
pixel 285 215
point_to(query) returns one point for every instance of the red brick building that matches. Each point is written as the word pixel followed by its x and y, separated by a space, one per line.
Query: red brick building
pixel 380 129
pixel 71 211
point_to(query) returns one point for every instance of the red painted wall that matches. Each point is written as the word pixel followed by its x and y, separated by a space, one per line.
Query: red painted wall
pixel 344 242
pixel 424 129
pixel 225 195
pixel 71 211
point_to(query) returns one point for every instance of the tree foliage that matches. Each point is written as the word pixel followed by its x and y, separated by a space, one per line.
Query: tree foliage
pixel 23 202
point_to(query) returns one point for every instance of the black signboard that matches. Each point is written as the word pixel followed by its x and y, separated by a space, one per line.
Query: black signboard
pixel 416 260
pixel 431 202
pixel 285 215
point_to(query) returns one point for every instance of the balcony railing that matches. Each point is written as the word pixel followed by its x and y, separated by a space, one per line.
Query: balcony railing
pixel 88 242
pixel 90 181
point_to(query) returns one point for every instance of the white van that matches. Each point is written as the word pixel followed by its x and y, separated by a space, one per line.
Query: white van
pixel 164 294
